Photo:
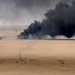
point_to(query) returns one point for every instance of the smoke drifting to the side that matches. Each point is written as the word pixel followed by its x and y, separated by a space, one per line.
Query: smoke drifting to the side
pixel 59 21
pixel 23 12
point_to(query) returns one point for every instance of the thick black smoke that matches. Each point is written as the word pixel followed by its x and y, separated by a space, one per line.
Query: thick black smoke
pixel 59 21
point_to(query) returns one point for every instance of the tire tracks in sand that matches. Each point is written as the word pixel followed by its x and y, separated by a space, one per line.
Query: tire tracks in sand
pixel 20 52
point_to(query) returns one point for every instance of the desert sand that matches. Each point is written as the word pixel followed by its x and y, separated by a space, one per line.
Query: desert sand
pixel 36 57
pixel 10 32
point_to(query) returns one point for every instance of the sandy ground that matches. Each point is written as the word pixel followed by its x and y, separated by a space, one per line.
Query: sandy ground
pixel 35 57
pixel 10 32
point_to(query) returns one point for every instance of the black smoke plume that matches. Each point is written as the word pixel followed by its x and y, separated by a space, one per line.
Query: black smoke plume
pixel 59 21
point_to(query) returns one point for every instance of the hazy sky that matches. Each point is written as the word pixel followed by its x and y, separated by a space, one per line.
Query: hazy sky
pixel 24 12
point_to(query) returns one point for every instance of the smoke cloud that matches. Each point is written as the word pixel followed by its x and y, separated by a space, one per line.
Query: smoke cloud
pixel 59 21
pixel 23 12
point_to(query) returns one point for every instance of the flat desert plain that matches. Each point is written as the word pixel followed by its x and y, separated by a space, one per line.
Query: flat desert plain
pixel 36 57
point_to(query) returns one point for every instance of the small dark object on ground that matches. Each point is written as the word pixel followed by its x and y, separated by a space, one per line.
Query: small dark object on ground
pixel 0 37
pixel 16 30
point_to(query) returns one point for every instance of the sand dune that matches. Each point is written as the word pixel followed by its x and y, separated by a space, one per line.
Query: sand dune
pixel 37 57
